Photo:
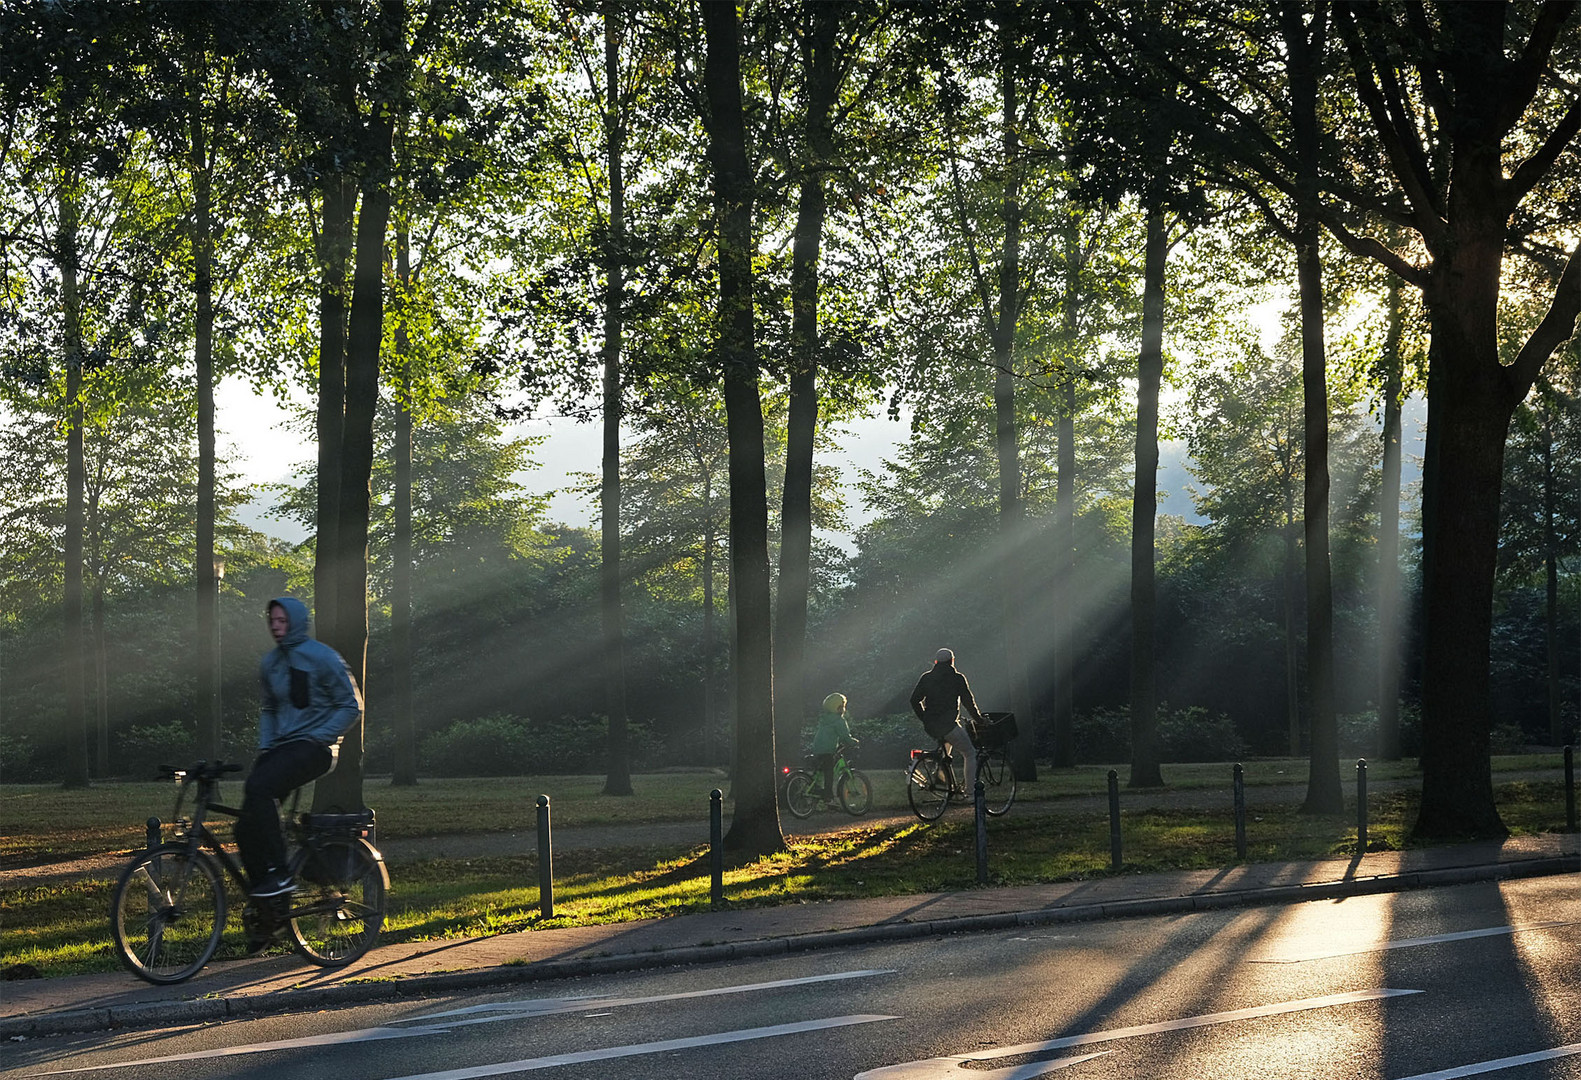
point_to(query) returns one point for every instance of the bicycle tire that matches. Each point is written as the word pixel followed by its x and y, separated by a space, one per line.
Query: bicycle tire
pixel 999 782
pixel 856 794
pixel 928 797
pixel 338 909
pixel 797 799
pixel 167 913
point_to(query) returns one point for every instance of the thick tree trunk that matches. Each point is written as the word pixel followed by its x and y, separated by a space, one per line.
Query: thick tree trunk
pixel 74 758
pixel 401 711
pixel 1145 770
pixel 1323 784
pixel 1551 574
pixel 618 779
pixel 364 335
pixel 1291 609
pixel 207 653
pixel 334 255
pixel 1012 511
pixel 754 827
pixel 101 686
pixel 792 702
pixel 1389 537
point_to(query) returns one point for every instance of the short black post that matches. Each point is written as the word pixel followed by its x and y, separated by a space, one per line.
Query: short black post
pixel 1114 819
pixel 716 846
pixel 1240 812
pixel 1361 806
pixel 1570 789
pixel 545 861
pixel 151 827
pixel 980 803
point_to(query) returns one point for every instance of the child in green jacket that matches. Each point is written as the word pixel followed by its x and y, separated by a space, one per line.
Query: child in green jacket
pixel 833 732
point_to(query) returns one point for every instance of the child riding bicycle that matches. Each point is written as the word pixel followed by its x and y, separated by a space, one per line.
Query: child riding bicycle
pixel 833 733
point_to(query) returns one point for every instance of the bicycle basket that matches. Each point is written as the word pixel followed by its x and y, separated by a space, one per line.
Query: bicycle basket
pixel 996 730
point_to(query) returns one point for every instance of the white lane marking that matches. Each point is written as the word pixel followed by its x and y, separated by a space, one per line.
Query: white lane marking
pixel 1502 1063
pixel 664 1047
pixel 1407 943
pixel 556 1005
pixel 494 1012
pixel 941 1068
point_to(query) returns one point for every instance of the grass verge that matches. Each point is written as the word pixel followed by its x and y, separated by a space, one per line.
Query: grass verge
pixel 61 928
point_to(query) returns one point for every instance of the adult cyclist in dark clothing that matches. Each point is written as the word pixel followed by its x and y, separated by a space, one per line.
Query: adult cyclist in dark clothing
pixel 937 701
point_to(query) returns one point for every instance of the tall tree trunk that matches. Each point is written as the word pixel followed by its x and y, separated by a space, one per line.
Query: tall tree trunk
pixel 1292 607
pixel 101 685
pixel 75 741
pixel 401 712
pixel 334 255
pixel 754 828
pixel 791 705
pixel 618 779
pixel 1012 511
pixel 1389 536
pixel 207 653
pixel 1145 770
pixel 710 634
pixel 1551 573
pixel 1304 45
pixel 1065 574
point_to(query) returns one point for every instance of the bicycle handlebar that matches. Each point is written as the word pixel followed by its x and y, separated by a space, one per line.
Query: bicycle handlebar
pixel 202 770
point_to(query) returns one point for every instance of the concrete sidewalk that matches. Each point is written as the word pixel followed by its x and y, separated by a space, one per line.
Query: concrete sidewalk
pixel 286 983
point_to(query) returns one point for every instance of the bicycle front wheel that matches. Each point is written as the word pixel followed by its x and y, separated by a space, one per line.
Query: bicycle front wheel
pixel 999 782
pixel 167 913
pixel 797 798
pixel 338 908
pixel 926 787
pixel 856 794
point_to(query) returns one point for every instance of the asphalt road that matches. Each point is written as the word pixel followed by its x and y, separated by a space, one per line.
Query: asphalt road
pixel 1465 981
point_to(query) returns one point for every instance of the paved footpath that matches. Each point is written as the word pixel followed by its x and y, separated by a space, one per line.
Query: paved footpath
pixel 285 983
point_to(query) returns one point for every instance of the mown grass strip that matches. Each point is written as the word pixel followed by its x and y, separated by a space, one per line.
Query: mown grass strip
pixel 63 928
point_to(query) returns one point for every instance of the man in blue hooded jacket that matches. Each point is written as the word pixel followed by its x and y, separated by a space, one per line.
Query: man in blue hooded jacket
pixel 309 701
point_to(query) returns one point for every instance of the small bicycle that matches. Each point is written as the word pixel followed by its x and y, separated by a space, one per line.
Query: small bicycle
pixel 803 794
pixel 167 914
pixel 933 777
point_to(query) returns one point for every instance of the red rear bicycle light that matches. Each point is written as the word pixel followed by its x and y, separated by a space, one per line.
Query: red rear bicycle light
pixel 915 754
pixel 785 770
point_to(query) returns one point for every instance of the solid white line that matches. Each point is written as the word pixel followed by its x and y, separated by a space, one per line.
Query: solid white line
pixel 1502 1063
pixel 664 1047
pixel 557 1005
pixel 942 1067
pixel 1407 943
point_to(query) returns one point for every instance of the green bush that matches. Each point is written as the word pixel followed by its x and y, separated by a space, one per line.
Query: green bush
pixel 1358 733
pixel 144 749
pixel 1103 736
pixel 504 745
pixel 19 762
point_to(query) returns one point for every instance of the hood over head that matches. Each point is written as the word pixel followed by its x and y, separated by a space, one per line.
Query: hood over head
pixel 300 622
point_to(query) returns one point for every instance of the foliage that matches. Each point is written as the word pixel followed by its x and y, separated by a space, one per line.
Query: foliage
pixel 1190 734
pixel 505 745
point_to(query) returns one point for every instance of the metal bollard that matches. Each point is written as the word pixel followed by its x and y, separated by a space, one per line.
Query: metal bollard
pixel 1361 806
pixel 151 832
pixel 980 803
pixel 1570 789
pixel 545 861
pixel 716 846
pixel 1240 812
pixel 1114 819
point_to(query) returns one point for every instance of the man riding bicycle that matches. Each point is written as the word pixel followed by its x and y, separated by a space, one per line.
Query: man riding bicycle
pixel 937 701
pixel 309 701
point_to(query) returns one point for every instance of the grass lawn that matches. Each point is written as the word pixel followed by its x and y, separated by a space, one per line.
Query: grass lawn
pixel 60 928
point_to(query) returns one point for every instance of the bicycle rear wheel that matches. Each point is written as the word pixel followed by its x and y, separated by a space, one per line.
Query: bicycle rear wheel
pixel 167 913
pixel 999 781
pixel 798 801
pixel 338 908
pixel 926 787
pixel 856 794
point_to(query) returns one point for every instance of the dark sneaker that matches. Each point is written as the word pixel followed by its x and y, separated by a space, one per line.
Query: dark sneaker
pixel 274 885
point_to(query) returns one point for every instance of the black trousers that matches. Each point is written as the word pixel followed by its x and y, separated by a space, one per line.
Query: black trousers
pixel 276 773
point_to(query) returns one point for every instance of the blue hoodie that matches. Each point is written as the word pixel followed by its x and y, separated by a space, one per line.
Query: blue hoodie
pixel 308 691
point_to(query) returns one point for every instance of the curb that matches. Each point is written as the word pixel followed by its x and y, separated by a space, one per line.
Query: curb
pixel 154 1013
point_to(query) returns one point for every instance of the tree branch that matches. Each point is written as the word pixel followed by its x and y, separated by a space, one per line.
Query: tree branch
pixel 1555 329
